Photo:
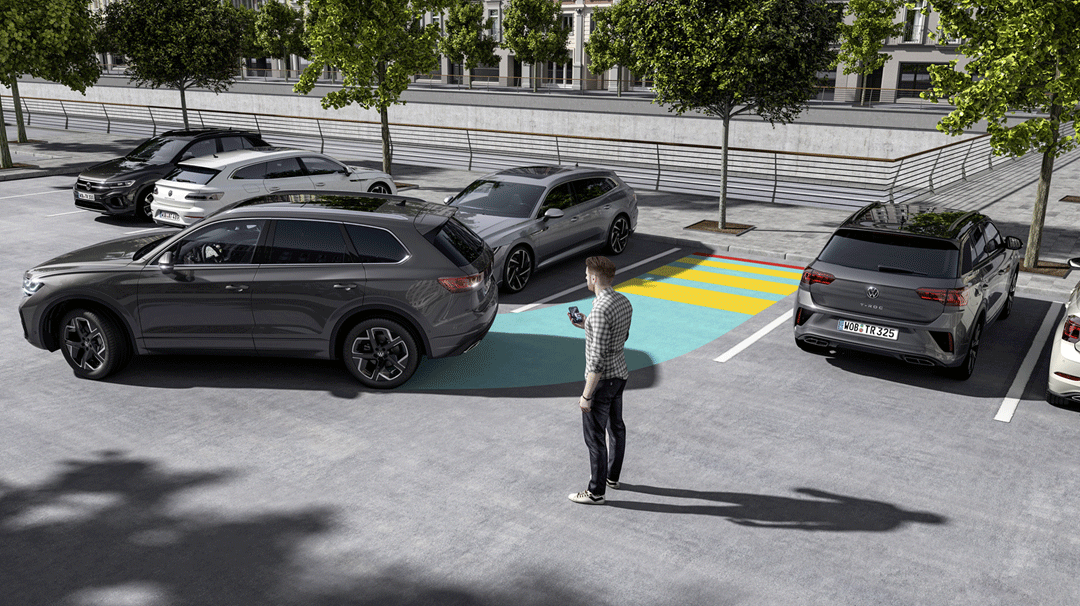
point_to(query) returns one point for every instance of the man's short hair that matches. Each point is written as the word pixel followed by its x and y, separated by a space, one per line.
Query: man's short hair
pixel 601 267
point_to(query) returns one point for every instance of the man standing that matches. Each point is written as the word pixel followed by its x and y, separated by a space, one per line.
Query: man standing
pixel 606 330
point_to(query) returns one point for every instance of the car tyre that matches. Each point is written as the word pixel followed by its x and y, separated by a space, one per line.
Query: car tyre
pixel 380 353
pixel 142 204
pixel 1007 310
pixel 93 344
pixel 967 367
pixel 518 269
pixel 379 188
pixel 617 236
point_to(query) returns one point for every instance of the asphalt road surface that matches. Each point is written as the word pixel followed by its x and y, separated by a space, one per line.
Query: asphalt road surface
pixel 775 477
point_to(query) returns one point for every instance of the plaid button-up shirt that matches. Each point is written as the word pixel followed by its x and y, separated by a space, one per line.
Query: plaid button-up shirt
pixel 606 329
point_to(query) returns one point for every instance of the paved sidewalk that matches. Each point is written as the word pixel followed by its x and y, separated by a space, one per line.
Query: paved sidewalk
pixel 793 233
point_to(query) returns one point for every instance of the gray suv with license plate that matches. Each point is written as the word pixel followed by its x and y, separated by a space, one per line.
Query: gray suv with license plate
pixel 374 280
pixel 914 282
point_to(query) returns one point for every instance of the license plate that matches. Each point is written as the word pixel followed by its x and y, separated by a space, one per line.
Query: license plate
pixel 164 214
pixel 882 332
pixel 84 196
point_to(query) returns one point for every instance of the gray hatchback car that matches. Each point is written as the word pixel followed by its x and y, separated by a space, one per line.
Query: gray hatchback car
pixel 374 280
pixel 918 283
pixel 537 215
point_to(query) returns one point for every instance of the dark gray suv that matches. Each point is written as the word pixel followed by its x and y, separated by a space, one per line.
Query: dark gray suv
pixel 375 280
pixel 918 283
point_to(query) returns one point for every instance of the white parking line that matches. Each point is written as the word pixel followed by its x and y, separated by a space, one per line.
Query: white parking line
pixel 570 290
pixel 1008 405
pixel 141 231
pixel 67 213
pixel 748 341
pixel 37 193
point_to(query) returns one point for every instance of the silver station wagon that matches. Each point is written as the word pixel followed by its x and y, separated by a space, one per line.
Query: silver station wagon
pixel 918 283
pixel 537 215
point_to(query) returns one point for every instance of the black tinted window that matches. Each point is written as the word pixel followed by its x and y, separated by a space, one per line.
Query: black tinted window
pixel 201 148
pixel 978 243
pixel 459 243
pixel 560 196
pixel 157 150
pixel 892 253
pixel 321 166
pixel 375 245
pixel 191 174
pixel 587 189
pixel 499 198
pixel 231 242
pixel 255 171
pixel 993 236
pixel 308 242
pixel 283 169
pixel 234 143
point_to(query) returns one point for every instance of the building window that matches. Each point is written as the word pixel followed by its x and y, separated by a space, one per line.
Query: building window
pixel 914 21
pixel 914 79
pixel 568 23
pixel 494 33
pixel 560 73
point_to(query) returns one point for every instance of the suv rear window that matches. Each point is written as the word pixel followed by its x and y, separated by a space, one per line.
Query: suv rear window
pixel 459 243
pixel 892 253
pixel 191 174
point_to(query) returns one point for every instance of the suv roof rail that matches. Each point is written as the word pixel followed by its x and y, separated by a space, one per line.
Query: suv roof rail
pixel 959 220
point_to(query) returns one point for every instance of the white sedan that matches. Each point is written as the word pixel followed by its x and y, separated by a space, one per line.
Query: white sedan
pixel 1063 386
pixel 199 186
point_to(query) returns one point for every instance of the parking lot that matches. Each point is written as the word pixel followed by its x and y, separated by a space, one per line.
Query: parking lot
pixel 771 477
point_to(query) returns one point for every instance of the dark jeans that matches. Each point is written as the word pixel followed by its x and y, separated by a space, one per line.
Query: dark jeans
pixel 605 419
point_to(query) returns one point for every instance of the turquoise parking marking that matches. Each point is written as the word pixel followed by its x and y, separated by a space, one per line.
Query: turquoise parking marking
pixel 746 292
pixel 541 347
pixel 733 272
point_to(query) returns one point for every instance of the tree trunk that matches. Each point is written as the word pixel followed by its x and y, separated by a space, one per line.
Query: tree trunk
pixel 387 150
pixel 536 72
pixel 183 104
pixel 618 80
pixel 5 153
pixel 21 126
pixel 723 176
pixel 1038 214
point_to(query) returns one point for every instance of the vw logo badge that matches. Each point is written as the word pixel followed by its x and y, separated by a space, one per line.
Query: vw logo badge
pixel 871 292
pixel 170 193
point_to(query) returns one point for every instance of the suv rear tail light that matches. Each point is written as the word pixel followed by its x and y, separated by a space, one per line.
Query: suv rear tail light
pixel 1071 331
pixel 205 196
pixel 1065 376
pixel 462 283
pixel 951 297
pixel 813 276
pixel 802 316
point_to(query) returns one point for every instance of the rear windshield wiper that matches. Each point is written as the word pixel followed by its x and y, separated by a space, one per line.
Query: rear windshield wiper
pixel 900 270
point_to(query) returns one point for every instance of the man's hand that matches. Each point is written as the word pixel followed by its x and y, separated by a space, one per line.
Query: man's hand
pixel 585 405
pixel 580 324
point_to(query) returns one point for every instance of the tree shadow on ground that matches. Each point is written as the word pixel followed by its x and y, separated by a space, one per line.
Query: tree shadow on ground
pixel 823 511
pixel 103 531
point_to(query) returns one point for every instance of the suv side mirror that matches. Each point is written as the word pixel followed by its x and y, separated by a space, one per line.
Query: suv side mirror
pixel 165 263
pixel 1013 243
pixel 553 213
pixel 1074 262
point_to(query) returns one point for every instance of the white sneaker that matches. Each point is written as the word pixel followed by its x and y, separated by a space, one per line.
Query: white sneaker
pixel 587 498
pixel 611 484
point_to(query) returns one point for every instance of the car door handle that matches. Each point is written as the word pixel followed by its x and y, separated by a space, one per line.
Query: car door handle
pixel 320 184
pixel 236 287
pixel 607 206
pixel 273 187
pixel 573 219
pixel 345 286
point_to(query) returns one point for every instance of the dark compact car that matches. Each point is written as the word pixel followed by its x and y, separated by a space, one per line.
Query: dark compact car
pixel 124 185
pixel 918 283
pixel 538 215
pixel 374 280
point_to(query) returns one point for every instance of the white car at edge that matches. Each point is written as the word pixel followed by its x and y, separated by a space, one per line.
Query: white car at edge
pixel 200 186
pixel 1063 384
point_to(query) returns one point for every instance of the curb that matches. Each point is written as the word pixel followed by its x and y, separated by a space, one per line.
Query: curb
pixel 33 173
pixel 737 250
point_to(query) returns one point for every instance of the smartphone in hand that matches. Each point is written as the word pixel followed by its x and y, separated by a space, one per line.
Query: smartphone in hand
pixel 575 315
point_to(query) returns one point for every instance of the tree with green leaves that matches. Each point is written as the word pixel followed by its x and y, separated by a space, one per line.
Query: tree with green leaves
pixel 249 44
pixel 730 58
pixel 1023 57
pixel 872 23
pixel 177 43
pixel 534 32
pixel 377 47
pixel 465 40
pixel 50 40
pixel 279 31
pixel 609 42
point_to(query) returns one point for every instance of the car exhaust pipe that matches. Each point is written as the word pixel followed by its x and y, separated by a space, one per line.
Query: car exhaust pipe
pixel 917 361
pixel 815 341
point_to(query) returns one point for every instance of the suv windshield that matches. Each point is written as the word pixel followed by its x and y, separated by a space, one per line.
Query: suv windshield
pixel 157 150
pixel 499 198
pixel 460 244
pixel 892 253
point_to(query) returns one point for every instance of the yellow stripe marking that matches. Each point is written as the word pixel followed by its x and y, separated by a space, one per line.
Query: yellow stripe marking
pixel 708 277
pixel 694 296
pixel 789 274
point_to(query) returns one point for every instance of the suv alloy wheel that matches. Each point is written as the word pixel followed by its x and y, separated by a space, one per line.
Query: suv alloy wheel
pixel 380 353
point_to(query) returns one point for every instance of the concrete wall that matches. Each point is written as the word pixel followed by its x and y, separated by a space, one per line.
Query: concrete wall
pixel 880 132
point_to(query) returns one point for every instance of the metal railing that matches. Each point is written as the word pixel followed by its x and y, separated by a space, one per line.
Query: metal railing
pixel 824 180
